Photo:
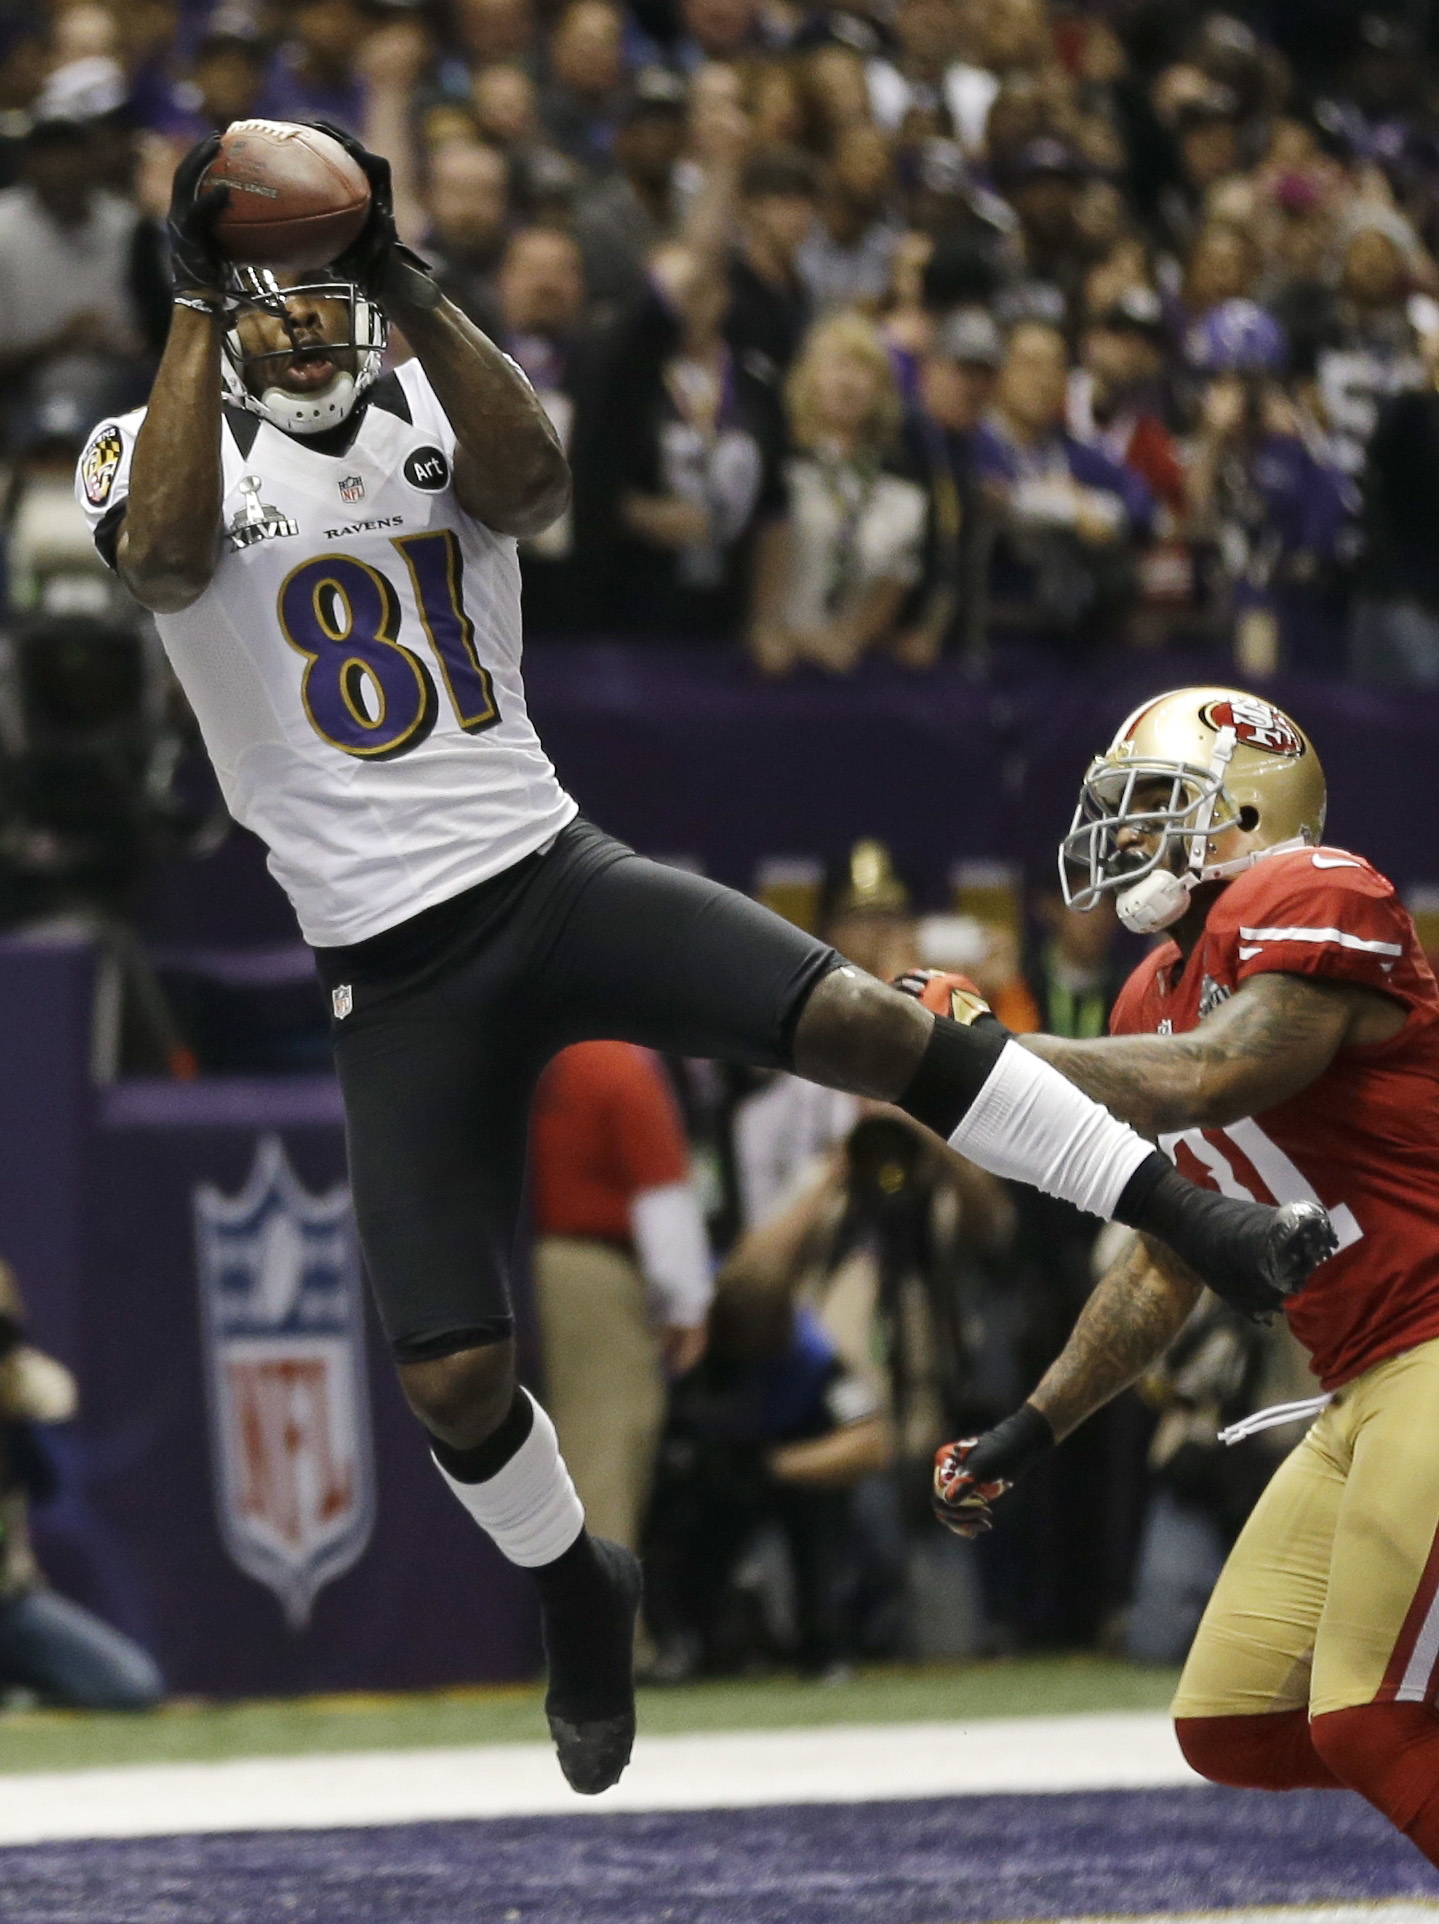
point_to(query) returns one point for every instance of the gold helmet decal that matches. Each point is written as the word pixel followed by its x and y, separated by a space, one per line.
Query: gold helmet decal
pixel 1183 769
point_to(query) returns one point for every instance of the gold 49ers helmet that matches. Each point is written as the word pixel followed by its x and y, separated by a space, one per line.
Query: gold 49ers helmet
pixel 1182 769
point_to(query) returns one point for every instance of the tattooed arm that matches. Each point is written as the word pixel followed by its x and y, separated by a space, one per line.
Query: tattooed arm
pixel 1137 1309
pixel 1273 1036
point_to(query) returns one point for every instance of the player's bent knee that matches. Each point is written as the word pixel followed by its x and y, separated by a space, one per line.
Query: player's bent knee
pixel 1270 1751
pixel 463 1398
pixel 856 1033
pixel 1388 1752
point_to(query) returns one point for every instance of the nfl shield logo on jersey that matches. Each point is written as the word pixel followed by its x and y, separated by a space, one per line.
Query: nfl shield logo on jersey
pixel 352 487
pixel 289 1413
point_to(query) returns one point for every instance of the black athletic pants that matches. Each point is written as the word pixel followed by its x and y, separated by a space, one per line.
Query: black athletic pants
pixel 454 1013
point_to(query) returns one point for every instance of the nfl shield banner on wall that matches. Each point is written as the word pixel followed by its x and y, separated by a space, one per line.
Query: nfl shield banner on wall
pixel 290 1434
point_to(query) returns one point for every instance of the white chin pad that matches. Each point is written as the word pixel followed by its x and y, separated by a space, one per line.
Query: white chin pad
pixel 310 413
pixel 1154 903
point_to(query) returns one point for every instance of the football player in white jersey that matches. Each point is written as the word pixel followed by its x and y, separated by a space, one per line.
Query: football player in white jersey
pixel 330 557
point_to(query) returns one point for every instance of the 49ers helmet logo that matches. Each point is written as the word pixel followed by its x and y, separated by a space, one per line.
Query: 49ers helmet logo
pixel 1255 725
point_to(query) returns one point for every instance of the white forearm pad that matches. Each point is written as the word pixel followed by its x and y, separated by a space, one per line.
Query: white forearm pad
pixel 530 1509
pixel 1029 1124
pixel 673 1252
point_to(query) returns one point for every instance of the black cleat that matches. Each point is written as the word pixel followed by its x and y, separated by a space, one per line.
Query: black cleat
pixel 590 1704
pixel 1251 1255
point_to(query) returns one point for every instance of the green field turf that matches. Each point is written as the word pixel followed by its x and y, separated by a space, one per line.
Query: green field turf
pixel 188 1732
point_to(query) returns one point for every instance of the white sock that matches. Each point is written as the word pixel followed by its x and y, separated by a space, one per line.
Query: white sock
pixel 1028 1123
pixel 529 1508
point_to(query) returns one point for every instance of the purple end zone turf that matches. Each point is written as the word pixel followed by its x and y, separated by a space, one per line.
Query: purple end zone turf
pixel 936 1861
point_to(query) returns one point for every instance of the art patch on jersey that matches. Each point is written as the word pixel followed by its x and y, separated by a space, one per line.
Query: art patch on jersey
pixel 1211 994
pixel 1255 725
pixel 100 463
pixel 427 469
pixel 352 488
pixel 257 520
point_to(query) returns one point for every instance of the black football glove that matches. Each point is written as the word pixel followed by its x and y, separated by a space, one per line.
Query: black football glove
pixel 970 1476
pixel 378 262
pixel 196 263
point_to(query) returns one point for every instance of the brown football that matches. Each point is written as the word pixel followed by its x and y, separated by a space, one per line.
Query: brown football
pixel 297 199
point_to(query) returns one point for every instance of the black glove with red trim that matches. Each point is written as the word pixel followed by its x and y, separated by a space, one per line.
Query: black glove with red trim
pixel 971 1476
pixel 944 992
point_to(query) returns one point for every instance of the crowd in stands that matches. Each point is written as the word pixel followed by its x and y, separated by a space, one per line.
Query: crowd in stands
pixel 892 327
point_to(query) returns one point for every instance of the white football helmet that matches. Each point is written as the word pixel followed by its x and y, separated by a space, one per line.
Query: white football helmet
pixel 1182 769
pixel 327 407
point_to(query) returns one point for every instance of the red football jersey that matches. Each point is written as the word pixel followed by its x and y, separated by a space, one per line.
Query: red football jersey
pixel 1363 1138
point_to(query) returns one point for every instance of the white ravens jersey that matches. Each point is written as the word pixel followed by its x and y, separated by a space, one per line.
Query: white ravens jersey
pixel 354 665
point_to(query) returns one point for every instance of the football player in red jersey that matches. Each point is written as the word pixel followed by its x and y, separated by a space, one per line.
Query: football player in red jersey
pixel 1283 1043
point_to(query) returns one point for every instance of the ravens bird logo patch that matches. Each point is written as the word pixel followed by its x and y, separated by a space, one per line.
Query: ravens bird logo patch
pixel 100 463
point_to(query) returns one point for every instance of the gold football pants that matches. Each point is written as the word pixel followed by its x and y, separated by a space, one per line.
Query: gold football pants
pixel 1330 1597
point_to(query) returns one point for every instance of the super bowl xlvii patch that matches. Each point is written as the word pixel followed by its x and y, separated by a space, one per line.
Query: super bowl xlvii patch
pixel 100 463
pixel 257 520
pixel 292 1456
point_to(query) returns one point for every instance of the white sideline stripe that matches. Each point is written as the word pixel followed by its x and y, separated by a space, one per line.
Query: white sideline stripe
pixel 1322 935
pixel 845 1763
pixel 1401 1911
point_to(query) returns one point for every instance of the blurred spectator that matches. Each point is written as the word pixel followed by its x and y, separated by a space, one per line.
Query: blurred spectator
pixel 1044 184
pixel 856 530
pixel 1117 396
pixel 223 83
pixel 78 273
pixel 878 1264
pixel 769 306
pixel 1271 511
pixel 1223 266
pixel 1075 975
pixel 678 475
pixel 49 1645
pixel 956 388
pixel 581 102
pixel 541 291
pixel 1363 340
pixel 780 1129
pixel 717 30
pixel 622 216
pixel 467 194
pixel 495 30
pixel 1069 518
pixel 1395 637
pixel 312 75
pixel 1201 1491
pixel 845 259
pixel 621 1268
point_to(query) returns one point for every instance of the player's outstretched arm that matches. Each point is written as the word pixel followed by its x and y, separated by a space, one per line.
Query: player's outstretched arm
pixel 1137 1309
pixel 1271 1039
pixel 169 544
pixel 510 469
pixel 1134 1313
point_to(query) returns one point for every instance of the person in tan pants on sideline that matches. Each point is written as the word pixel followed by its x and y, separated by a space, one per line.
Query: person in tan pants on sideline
pixel 621 1268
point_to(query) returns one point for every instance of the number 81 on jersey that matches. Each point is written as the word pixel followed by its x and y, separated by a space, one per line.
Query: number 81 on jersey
pixel 363 690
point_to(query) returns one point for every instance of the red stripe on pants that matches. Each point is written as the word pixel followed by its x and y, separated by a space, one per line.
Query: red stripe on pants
pixel 1413 1623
